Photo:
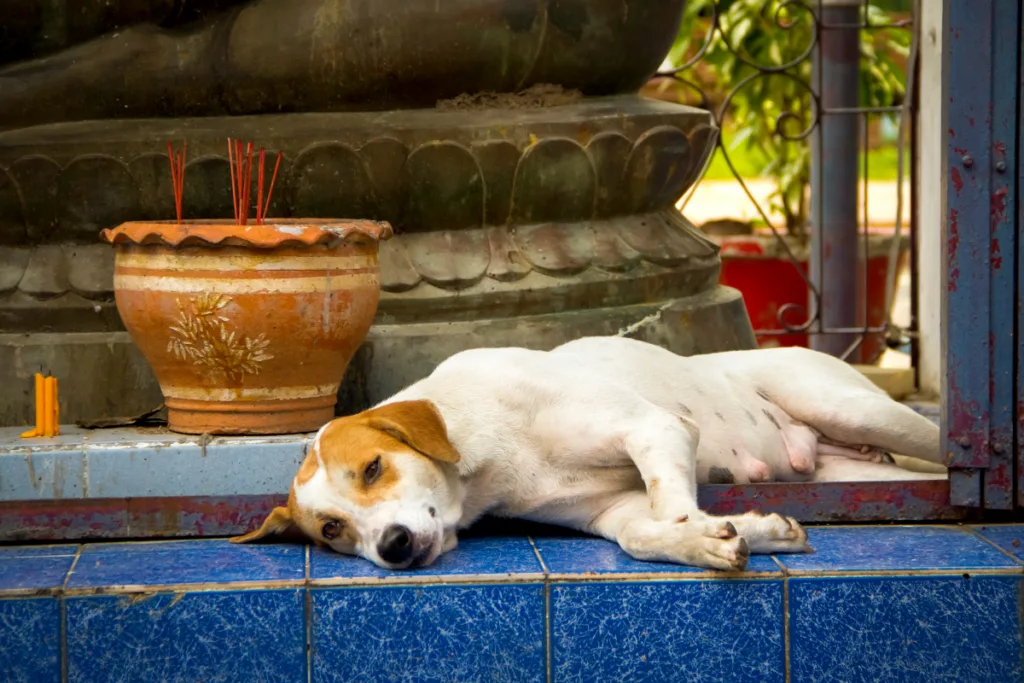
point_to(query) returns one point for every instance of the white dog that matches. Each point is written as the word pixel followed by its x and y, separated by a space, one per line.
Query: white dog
pixel 606 435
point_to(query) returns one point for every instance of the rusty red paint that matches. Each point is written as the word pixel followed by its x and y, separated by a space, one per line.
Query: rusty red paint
pixel 962 415
pixel 998 474
pixel 971 121
pixel 109 518
pixel 837 502
pixel 996 258
pixel 999 148
pixel 960 150
pixel 97 518
pixel 952 244
pixel 997 207
pixel 958 182
pixel 951 133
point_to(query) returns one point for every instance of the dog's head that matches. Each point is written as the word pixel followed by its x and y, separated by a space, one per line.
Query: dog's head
pixel 379 484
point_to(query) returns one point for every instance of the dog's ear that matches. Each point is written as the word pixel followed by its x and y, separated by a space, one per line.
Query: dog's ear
pixel 418 425
pixel 277 523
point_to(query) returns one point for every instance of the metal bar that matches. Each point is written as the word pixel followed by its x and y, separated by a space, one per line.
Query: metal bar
pixel 1018 249
pixel 998 477
pixel 837 501
pixel 914 223
pixel 96 518
pixel 197 517
pixel 861 110
pixel 834 166
pixel 966 193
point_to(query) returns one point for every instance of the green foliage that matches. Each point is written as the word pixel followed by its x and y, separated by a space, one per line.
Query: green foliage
pixel 760 63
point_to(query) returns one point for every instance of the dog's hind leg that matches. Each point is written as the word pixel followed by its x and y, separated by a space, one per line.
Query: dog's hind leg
pixel 836 400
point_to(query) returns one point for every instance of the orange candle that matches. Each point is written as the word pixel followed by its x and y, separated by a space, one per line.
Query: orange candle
pixel 56 408
pixel 48 408
pixel 40 403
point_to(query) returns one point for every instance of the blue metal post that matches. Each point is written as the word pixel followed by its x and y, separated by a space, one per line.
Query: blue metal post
pixel 967 193
pixel 834 253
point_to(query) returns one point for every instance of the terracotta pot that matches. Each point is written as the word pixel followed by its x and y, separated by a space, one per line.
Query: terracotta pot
pixel 758 266
pixel 249 329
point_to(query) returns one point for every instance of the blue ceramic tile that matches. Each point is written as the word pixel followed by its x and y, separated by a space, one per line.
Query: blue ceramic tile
pixel 598 556
pixel 927 629
pixel 473 556
pixel 8 552
pixel 895 548
pixel 1009 537
pixel 491 632
pixel 668 631
pixel 185 562
pixel 43 474
pixel 30 640
pixel 34 572
pixel 254 635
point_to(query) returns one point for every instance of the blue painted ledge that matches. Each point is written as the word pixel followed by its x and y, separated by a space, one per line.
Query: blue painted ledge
pixel 874 603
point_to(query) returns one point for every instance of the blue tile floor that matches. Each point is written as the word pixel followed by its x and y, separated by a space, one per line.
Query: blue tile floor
pixel 873 603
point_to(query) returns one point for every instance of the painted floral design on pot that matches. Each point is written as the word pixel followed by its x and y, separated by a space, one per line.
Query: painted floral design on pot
pixel 249 328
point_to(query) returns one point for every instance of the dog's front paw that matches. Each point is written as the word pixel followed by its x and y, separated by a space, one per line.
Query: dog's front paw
pixel 722 548
pixel 773 533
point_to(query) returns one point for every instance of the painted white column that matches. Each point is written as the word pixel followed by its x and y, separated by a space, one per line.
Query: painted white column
pixel 929 199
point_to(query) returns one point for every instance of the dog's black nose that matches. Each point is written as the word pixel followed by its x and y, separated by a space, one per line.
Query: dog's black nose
pixel 395 546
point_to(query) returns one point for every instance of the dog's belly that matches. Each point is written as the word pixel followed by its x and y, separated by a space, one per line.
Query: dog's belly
pixel 744 437
pixel 567 496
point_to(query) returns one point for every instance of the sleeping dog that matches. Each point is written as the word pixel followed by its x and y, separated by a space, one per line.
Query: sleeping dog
pixel 604 434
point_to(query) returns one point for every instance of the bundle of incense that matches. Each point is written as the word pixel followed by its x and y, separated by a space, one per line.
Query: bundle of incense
pixel 177 175
pixel 47 409
pixel 240 161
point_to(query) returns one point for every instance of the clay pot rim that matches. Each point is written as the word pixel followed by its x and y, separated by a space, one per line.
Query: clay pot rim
pixel 274 233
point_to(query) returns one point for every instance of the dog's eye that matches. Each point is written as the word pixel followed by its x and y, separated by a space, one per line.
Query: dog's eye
pixel 331 530
pixel 372 471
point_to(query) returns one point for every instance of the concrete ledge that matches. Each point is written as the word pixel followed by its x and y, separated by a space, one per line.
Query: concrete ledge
pixel 144 463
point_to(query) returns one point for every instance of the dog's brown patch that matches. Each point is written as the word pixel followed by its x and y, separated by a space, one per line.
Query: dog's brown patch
pixel 307 469
pixel 350 444
pixel 345 448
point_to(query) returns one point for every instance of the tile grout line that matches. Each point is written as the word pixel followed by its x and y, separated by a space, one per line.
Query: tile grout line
pixel 547 609
pixel 783 568
pixel 308 608
pixel 64 616
pixel 992 543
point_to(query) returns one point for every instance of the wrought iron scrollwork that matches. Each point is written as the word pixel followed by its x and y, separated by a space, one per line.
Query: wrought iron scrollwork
pixel 791 127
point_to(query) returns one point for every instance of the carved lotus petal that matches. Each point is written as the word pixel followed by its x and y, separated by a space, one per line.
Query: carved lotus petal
pixel 555 181
pixel 446 188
